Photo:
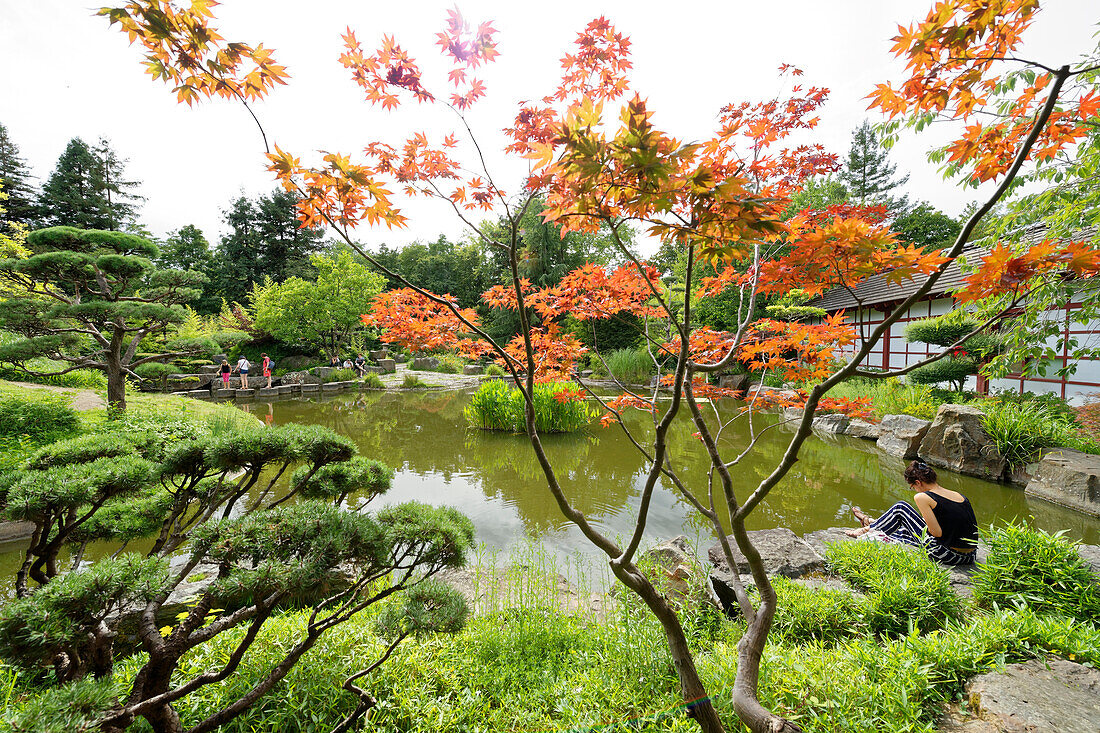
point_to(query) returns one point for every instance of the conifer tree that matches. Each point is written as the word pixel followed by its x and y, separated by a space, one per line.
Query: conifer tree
pixel 15 179
pixel 118 193
pixel 72 195
pixel 868 172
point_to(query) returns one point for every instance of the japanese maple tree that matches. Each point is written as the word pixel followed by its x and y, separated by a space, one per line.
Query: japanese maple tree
pixel 720 200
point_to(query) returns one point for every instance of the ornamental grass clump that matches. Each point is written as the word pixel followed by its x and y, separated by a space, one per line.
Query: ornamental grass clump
pixel 1037 569
pixel 905 589
pixel 629 366
pixel 496 405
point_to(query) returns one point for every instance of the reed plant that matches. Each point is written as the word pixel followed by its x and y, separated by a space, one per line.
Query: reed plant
pixel 628 366
pixel 499 406
pixel 1021 430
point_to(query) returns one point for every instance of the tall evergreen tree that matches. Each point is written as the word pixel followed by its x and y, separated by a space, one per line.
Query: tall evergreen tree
pixel 286 246
pixel 188 249
pixel 264 241
pixel 118 193
pixel 15 180
pixel 73 195
pixel 869 174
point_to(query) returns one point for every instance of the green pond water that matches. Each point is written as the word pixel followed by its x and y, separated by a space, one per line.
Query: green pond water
pixel 495 480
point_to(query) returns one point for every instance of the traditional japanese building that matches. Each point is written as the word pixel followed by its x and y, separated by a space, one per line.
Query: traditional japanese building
pixel 869 303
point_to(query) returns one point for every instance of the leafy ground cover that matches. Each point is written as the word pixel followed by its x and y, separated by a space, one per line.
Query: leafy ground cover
pixel 884 660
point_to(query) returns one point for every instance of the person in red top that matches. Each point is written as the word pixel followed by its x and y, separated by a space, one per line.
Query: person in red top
pixel 267 369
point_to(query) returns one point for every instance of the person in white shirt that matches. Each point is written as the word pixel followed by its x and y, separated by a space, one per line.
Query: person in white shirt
pixel 242 368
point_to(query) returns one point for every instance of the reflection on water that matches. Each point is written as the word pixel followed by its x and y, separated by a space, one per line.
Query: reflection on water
pixel 495 479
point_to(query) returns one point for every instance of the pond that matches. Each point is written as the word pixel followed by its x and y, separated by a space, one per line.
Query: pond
pixel 495 480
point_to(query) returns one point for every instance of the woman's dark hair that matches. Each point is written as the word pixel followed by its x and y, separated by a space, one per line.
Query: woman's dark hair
pixel 918 470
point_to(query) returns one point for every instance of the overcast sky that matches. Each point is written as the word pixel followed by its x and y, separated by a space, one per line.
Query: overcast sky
pixel 64 73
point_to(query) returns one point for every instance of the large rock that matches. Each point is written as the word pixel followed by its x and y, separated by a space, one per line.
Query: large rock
pixel 295 363
pixel 782 551
pixel 16 531
pixel 957 441
pixel 676 570
pixel 1069 478
pixel 902 435
pixel 817 540
pixel 379 354
pixel 473 369
pixel 1052 695
pixel 831 424
pixel 862 429
pixel 299 378
pixel 388 366
pixel 424 364
pixel 735 382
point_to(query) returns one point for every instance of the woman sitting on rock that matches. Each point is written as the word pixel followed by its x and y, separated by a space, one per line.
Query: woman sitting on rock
pixel 945 525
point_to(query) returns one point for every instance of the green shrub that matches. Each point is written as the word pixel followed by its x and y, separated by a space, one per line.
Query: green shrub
pixel 953 369
pixel 494 370
pixel 450 364
pixel 621 331
pixel 499 406
pixel 373 381
pixel 79 379
pixel 905 587
pixel 629 366
pixel 412 381
pixel 806 613
pixel 1040 570
pixel 37 414
pixel 342 375
pixel 940 330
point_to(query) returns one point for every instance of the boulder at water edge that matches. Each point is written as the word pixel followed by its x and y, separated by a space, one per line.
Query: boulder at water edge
pixel 902 435
pixel 782 551
pixel 831 424
pixel 957 441
pixel 424 364
pixel 1050 695
pixel 1069 478
pixel 862 429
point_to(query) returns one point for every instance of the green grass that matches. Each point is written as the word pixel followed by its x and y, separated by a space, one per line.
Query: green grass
pixel 373 381
pixel 499 406
pixel 494 370
pixel 629 366
pixel 1021 430
pixel 342 375
pixel 411 381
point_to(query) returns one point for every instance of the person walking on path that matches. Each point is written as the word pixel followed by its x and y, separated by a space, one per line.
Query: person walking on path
pixel 242 368
pixel 944 526
pixel 267 369
pixel 226 370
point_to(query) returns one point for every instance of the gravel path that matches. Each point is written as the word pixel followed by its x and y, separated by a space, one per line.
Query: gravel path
pixel 81 400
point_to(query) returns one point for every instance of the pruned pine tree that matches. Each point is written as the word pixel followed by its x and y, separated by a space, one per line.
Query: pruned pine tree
pixel 88 299
pixel 122 485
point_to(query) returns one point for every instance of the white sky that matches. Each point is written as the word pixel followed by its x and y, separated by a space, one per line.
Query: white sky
pixel 63 73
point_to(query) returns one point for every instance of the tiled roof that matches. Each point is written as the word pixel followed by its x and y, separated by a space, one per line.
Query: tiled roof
pixel 877 290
